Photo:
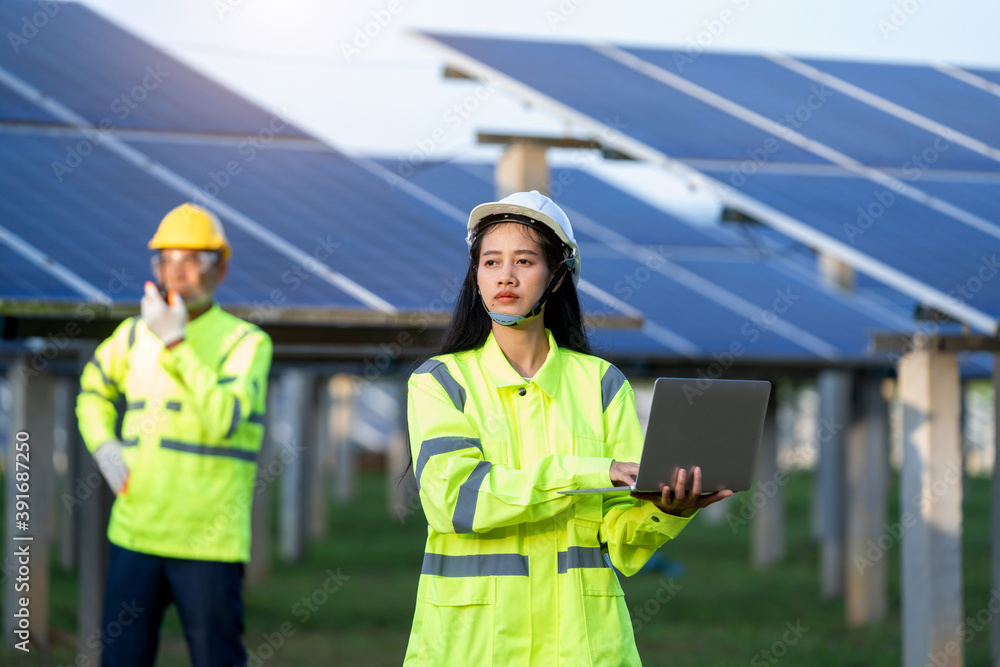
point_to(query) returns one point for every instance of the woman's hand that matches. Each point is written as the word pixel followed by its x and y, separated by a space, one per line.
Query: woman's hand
pixel 623 474
pixel 683 501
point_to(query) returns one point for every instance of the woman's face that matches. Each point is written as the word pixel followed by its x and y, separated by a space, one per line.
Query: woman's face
pixel 512 273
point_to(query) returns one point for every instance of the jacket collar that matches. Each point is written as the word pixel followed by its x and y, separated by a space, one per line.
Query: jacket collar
pixel 502 374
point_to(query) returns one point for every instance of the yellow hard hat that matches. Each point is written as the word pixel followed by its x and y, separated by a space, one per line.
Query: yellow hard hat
pixel 191 226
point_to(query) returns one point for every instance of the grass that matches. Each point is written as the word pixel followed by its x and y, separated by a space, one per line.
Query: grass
pixel 724 613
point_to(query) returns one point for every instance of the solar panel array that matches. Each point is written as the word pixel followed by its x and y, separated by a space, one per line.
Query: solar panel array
pixel 893 169
pixel 319 231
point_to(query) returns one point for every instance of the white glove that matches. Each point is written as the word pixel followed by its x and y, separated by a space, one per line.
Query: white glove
pixel 112 465
pixel 166 322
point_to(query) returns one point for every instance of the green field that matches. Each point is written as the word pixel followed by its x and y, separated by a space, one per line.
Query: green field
pixel 723 613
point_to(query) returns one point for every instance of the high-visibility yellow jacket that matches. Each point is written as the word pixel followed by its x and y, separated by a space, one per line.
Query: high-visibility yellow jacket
pixel 193 424
pixel 514 573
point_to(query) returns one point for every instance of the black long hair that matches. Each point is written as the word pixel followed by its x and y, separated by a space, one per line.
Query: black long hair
pixel 470 324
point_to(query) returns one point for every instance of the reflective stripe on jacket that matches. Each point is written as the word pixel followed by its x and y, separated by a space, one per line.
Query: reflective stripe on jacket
pixel 515 573
pixel 192 427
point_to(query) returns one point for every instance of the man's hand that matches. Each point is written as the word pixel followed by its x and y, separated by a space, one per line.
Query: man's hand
pixel 683 501
pixel 112 465
pixel 165 321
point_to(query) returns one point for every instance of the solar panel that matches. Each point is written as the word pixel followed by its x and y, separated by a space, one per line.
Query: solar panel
pixel 98 219
pixel 925 237
pixel 865 133
pixel 897 232
pixel 107 74
pixel 928 91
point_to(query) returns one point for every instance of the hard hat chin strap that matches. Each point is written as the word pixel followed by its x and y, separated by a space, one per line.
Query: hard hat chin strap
pixel 513 320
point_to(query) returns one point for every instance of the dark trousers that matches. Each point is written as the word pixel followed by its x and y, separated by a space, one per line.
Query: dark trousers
pixel 140 587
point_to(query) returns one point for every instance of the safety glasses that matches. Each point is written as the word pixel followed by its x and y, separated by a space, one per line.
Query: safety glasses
pixel 202 260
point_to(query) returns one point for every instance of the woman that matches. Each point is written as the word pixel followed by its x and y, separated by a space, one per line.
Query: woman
pixel 513 411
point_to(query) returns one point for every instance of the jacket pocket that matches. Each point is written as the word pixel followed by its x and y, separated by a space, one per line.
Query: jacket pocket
pixel 458 623
pixel 609 628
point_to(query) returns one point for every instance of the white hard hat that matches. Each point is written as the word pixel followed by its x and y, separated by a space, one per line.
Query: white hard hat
pixel 540 209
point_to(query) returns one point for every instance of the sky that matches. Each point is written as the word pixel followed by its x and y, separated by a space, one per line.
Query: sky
pixel 353 73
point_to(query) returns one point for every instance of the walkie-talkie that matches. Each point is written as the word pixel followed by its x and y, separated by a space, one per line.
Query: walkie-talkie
pixel 164 292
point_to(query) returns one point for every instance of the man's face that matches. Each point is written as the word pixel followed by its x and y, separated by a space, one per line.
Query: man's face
pixel 195 274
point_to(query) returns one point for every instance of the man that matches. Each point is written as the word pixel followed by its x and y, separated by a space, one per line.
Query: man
pixel 191 380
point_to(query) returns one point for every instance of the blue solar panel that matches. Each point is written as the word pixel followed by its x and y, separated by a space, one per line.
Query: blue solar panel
pixel 626 100
pixel 927 91
pixel 687 312
pixel 837 120
pixel 919 242
pixel 16 109
pixel 24 280
pixel 397 247
pixel 990 75
pixel 106 74
pixel 789 298
pixel 99 218
pixel 981 197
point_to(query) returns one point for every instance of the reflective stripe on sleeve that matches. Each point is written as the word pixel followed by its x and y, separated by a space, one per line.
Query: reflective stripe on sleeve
pixel 468 497
pixel 444 445
pixel 94 393
pixel 476 565
pixel 610 384
pixel 209 450
pixel 104 376
pixel 236 419
pixel 440 372
pixel 577 557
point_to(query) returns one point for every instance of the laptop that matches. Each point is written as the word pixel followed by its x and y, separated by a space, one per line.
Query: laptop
pixel 714 424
